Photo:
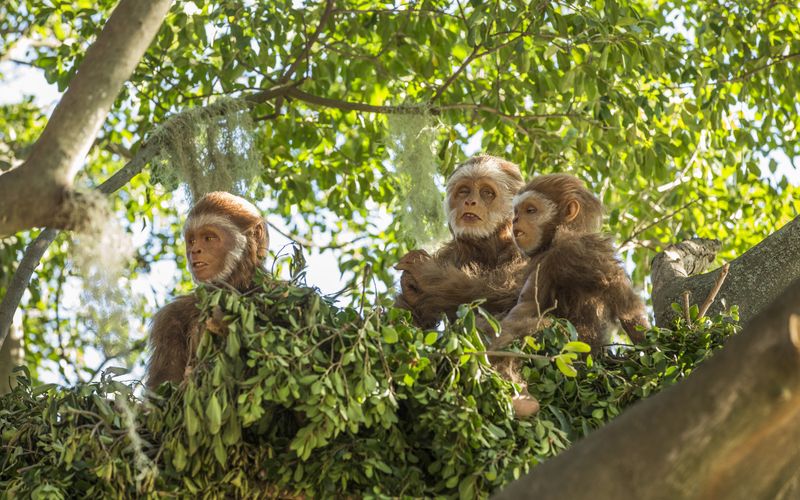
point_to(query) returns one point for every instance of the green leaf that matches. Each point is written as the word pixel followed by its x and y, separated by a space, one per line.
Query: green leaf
pixel 213 415
pixel 576 346
pixel 431 337
pixel 565 367
pixel 390 335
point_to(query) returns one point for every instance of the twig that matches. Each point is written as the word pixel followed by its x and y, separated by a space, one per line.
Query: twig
pixel 509 354
pixel 686 315
pixel 536 296
pixel 323 20
pixel 457 72
pixel 714 291
pixel 639 231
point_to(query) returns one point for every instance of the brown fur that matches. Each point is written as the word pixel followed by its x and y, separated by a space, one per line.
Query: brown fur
pixel 574 273
pixel 463 271
pixel 173 335
pixel 175 331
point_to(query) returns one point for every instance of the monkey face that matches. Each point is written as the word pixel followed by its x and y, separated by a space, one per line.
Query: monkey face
pixel 212 251
pixel 534 221
pixel 476 207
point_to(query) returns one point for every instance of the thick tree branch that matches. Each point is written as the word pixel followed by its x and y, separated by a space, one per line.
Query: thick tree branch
pixel 327 102
pixel 21 278
pixel 755 279
pixel 46 176
pixel 728 431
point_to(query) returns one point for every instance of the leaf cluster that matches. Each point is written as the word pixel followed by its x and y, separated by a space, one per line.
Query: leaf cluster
pixel 297 396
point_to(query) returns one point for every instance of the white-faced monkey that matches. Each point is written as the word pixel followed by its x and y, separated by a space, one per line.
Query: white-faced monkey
pixel 572 271
pixel 226 242
pixel 481 261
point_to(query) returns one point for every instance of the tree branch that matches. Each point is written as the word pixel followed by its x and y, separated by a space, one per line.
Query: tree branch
pixel 326 102
pixel 47 174
pixel 33 254
pixel 756 277
pixel 323 20
pixel 728 431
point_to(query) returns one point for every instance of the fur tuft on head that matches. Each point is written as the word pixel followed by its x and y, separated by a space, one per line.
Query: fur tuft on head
pixel 563 188
pixel 504 173
pixel 239 218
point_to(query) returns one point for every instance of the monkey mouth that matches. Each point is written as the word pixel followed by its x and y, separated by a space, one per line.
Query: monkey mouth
pixel 470 217
pixel 518 233
pixel 199 265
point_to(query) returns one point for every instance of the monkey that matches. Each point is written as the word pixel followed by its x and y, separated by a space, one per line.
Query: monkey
pixel 481 260
pixel 226 242
pixel 573 271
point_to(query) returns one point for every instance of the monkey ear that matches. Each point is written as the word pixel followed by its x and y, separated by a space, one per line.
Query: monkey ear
pixel 573 209
pixel 258 230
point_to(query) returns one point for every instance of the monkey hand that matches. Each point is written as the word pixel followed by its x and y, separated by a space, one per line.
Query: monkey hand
pixel 525 405
pixel 408 261
pixel 216 324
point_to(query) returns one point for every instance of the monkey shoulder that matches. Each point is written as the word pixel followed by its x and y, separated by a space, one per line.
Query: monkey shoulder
pixel 583 259
pixel 180 314
pixel 582 249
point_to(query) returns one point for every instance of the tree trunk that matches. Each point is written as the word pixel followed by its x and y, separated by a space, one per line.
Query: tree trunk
pixel 39 192
pixel 730 430
pixel 755 279
pixel 11 355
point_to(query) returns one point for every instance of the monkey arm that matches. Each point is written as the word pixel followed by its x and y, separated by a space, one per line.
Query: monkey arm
pixel 628 307
pixel 582 260
pixel 524 319
pixel 441 287
pixel 170 340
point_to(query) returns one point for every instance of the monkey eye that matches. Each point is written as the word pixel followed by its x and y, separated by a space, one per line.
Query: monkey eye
pixel 488 193
pixel 532 210
pixel 463 191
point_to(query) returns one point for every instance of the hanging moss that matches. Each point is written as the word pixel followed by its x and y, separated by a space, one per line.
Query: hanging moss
pixel 412 139
pixel 101 250
pixel 207 149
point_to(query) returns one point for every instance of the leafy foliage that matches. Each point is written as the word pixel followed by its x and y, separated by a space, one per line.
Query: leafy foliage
pixel 297 396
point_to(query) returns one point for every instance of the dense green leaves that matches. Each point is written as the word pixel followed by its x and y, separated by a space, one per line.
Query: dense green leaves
pixel 304 397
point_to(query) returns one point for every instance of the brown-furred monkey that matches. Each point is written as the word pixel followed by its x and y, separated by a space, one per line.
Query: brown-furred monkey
pixel 226 242
pixel 573 271
pixel 481 261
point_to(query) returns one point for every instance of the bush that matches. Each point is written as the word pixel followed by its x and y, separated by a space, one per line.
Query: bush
pixel 300 397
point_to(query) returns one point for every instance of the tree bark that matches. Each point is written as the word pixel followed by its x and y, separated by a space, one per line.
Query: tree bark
pixel 730 430
pixel 11 356
pixel 755 279
pixel 39 192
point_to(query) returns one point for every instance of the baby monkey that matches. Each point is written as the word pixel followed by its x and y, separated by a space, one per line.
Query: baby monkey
pixel 572 272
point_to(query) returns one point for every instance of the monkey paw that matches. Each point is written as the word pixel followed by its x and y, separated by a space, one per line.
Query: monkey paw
pixel 409 260
pixel 216 324
pixel 525 405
